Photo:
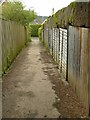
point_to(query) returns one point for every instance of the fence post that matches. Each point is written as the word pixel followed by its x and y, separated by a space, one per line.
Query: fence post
pixel 67 52
pixel 61 52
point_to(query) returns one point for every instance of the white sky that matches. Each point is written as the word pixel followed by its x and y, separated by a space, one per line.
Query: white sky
pixel 44 7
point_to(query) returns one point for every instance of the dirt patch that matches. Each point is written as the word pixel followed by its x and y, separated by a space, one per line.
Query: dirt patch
pixel 67 102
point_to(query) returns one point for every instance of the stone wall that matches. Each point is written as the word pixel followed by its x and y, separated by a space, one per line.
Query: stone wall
pixel 76 14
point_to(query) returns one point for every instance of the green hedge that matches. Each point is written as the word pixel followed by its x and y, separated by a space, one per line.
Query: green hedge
pixel 40 33
pixel 28 33
pixel 34 30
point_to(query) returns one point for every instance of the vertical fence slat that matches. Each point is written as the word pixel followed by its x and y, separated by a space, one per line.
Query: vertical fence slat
pixel 13 39
pixel 70 49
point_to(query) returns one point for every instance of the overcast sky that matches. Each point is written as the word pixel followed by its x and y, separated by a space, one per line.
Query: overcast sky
pixel 44 7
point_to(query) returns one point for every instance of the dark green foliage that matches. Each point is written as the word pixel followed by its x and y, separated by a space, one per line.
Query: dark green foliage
pixel 34 30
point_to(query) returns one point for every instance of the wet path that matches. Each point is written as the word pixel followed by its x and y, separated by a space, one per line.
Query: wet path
pixel 29 88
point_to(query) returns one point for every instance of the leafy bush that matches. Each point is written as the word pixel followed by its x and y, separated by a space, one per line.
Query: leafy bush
pixel 40 33
pixel 34 30
pixel 15 11
pixel 28 33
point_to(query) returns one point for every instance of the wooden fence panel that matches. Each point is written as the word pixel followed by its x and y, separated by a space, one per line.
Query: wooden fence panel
pixel 13 40
pixel 71 50
pixel 0 49
pixel 78 62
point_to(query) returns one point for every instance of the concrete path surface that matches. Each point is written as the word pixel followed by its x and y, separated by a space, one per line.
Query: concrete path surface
pixel 33 87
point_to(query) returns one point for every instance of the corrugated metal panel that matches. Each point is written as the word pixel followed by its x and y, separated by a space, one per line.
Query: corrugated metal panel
pixel 63 51
pixel 53 43
pixel 57 39
pixel 64 55
pixel 50 34
pixel 60 52
pixel 56 42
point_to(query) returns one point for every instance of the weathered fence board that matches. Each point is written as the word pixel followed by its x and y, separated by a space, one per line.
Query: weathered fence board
pixel 78 62
pixel 0 49
pixel 13 39
pixel 71 50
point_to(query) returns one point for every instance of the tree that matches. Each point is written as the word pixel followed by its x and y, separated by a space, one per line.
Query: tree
pixel 15 11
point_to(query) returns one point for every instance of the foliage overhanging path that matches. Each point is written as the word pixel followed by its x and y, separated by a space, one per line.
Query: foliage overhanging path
pixel 15 11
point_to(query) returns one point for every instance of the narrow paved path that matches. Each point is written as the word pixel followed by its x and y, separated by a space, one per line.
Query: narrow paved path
pixel 33 88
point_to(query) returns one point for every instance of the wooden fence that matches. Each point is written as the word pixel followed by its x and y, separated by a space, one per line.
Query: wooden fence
pixel 13 40
pixel 0 49
pixel 70 48
pixel 79 63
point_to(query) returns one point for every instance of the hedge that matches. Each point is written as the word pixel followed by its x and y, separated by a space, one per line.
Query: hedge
pixel 34 30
